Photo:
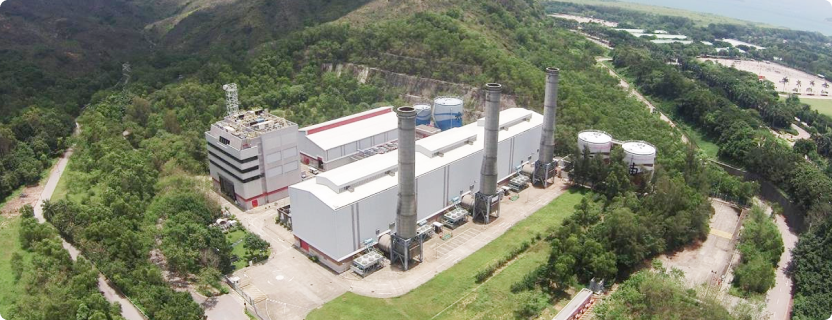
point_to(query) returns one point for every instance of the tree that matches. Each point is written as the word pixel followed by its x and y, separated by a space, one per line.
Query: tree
pixel 805 146
pixel 755 274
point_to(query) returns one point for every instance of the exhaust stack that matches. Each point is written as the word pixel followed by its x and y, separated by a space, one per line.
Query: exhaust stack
pixel 406 243
pixel 488 179
pixel 487 200
pixel 544 167
pixel 406 207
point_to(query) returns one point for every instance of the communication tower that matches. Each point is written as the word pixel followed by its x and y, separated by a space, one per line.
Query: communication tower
pixel 232 103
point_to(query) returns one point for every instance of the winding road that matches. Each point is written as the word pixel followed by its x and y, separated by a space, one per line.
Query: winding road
pixel 128 310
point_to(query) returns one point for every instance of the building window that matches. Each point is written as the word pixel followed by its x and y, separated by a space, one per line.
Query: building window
pixel 223 140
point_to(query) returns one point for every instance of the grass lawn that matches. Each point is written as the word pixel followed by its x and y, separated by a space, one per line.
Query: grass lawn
pixel 10 243
pixel 492 299
pixel 823 106
pixel 238 250
pixel 702 19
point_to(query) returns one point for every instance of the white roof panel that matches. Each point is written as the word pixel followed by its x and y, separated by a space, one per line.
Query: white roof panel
pixel 356 130
pixel 370 167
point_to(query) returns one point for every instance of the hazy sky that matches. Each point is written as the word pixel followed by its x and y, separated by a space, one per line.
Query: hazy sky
pixel 795 14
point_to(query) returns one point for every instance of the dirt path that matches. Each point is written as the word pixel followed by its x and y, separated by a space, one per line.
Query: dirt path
pixel 128 310
pixel 626 86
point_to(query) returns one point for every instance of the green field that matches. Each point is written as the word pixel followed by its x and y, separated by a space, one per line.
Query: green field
pixel 823 106
pixel 700 18
pixel 453 294
pixel 238 250
pixel 10 243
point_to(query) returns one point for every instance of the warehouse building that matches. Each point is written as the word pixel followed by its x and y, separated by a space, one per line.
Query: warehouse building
pixel 332 144
pixel 340 211
pixel 253 157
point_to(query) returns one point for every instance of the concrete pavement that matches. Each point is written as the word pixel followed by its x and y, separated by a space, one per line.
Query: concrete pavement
pixel 289 286
pixel 779 298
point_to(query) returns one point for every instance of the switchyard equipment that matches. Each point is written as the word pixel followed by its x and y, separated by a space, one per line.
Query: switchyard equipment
pixel 487 199
pixel 544 167
pixel 423 113
pixel 640 156
pixel 406 244
pixel 332 144
pixel 332 211
pixel 447 112
pixel 596 142
pixel 252 156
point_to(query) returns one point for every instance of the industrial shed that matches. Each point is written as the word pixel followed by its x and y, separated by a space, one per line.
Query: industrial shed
pixel 334 213
pixel 331 144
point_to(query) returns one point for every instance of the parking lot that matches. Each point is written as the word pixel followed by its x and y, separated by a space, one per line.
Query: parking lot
pixel 807 85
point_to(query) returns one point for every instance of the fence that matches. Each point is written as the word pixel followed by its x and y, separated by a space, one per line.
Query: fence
pixel 249 302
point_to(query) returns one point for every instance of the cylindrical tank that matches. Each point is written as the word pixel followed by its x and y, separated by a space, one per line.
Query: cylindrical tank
pixel 447 112
pixel 488 181
pixel 406 208
pixel 640 156
pixel 598 142
pixel 422 114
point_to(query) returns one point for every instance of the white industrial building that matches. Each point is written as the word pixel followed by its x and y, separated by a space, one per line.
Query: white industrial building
pixel 253 157
pixel 332 144
pixel 336 212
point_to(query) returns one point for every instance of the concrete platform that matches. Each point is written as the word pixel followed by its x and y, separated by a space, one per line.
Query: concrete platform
pixel 288 285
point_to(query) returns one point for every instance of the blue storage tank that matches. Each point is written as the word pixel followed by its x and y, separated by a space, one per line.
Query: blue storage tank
pixel 422 114
pixel 447 112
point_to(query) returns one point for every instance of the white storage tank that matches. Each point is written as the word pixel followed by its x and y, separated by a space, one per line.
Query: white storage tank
pixel 598 142
pixel 422 114
pixel 640 156
pixel 447 112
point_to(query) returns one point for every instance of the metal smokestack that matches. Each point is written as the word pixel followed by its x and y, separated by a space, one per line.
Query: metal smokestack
pixel 406 208
pixel 550 108
pixel 488 180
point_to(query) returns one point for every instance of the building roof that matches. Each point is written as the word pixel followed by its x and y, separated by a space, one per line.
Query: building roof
pixel 341 131
pixel 639 147
pixel 573 305
pixel 252 123
pixel 371 173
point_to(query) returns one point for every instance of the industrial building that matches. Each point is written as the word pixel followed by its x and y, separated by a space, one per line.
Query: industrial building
pixel 340 212
pixel 253 156
pixel 332 144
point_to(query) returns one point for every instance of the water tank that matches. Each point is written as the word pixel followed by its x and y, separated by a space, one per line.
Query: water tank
pixel 596 141
pixel 447 112
pixel 422 114
pixel 640 156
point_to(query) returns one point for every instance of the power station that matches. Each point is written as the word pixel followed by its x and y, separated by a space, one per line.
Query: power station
pixel 388 177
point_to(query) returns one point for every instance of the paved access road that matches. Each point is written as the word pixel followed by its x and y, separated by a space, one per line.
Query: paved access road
pixel 779 298
pixel 128 310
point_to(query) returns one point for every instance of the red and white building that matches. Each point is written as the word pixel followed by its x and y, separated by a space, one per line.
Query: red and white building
pixel 332 144
pixel 253 157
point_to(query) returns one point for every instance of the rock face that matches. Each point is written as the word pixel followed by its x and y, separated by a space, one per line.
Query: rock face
pixel 417 89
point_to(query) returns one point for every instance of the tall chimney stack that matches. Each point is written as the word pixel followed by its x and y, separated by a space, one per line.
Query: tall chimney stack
pixel 488 179
pixel 406 207
pixel 487 199
pixel 550 108
pixel 544 168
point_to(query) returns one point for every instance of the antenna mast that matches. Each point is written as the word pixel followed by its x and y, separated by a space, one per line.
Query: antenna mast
pixel 232 103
